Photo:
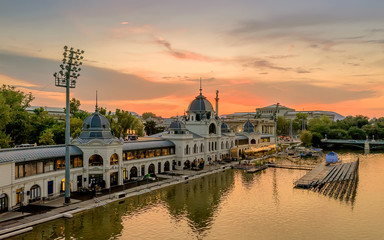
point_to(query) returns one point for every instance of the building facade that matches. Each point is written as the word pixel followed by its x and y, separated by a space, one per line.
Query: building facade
pixel 100 159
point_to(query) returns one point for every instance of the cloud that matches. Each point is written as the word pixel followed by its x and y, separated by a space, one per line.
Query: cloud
pixel 296 92
pixel 38 74
pixel 183 54
pixel 260 63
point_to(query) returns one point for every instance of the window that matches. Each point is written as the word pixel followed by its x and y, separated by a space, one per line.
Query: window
pixel 95 160
pixel 114 159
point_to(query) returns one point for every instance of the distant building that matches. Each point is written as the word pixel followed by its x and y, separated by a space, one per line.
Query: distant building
pixel 290 113
pixel 55 112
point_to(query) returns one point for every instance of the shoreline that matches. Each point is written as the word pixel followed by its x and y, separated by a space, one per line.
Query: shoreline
pixel 24 224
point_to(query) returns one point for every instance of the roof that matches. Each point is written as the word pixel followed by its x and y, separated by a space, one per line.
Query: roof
pixel 200 103
pixel 96 126
pixel 248 127
pixel 241 137
pixel 127 146
pixel 48 109
pixel 35 153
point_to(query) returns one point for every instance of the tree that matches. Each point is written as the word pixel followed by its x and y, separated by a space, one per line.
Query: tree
pixel 148 114
pixel 40 120
pixel 357 133
pixel 320 125
pixel 13 115
pixel 338 134
pixel 300 120
pixel 46 138
pixel 150 127
pixel 316 139
pixel 74 106
pixel 306 137
pixel 282 126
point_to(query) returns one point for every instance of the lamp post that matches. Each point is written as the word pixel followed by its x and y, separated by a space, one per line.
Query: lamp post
pixel 67 77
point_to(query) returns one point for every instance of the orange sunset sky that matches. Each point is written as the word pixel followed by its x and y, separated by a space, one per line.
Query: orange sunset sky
pixel 149 55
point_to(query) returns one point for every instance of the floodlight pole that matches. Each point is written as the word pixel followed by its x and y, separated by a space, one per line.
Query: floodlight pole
pixel 67 133
pixel 67 78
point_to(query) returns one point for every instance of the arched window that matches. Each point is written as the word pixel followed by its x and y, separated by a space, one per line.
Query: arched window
pixel 95 160
pixel 133 172
pixel 253 141
pixel 35 193
pixel 151 169
pixel 195 148
pixel 166 166
pixel 114 159
pixel 222 145
pixel 212 128
pixel 201 148
pixel 227 145
pixel 186 150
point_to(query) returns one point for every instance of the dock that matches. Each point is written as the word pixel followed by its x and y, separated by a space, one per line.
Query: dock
pixel 256 169
pixel 290 166
pixel 338 180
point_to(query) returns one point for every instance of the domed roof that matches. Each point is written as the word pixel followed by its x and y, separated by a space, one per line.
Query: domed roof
pixel 224 127
pixel 177 125
pixel 248 127
pixel 96 126
pixel 200 104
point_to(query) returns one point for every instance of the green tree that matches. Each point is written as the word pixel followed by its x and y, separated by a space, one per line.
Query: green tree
pixel 46 138
pixel 338 134
pixel 306 137
pixel 14 114
pixel 40 120
pixel 148 114
pixel 283 125
pixel 300 119
pixel 357 133
pixel 316 139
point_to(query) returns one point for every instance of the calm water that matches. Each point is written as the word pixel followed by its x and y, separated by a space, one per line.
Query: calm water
pixel 236 205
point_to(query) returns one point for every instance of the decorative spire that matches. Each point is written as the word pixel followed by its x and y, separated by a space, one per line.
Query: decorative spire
pixel 96 110
pixel 201 89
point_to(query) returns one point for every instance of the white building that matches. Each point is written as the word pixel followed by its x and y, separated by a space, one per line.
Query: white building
pixel 100 159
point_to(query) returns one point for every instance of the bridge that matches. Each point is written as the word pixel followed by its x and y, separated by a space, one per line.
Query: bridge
pixel 365 144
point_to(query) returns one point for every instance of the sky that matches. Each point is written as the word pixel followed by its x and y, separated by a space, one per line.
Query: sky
pixel 148 55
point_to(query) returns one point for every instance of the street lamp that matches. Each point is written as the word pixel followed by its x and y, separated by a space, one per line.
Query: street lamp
pixel 67 77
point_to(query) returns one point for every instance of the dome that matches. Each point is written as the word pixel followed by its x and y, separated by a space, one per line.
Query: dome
pixel 224 128
pixel 200 104
pixel 96 126
pixel 248 127
pixel 177 125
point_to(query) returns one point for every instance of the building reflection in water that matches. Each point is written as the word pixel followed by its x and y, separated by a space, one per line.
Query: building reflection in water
pixel 198 200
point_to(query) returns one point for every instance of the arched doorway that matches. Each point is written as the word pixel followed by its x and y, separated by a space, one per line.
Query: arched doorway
pixel 151 169
pixel 187 164
pixel 34 193
pixel 114 160
pixel 166 166
pixel 159 167
pixel 253 141
pixel 3 203
pixel 96 160
pixel 133 172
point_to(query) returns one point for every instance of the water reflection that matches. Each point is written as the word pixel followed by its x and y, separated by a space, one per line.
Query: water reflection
pixel 236 205
pixel 198 200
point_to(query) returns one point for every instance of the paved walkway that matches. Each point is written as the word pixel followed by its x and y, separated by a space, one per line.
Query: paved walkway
pixel 11 222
